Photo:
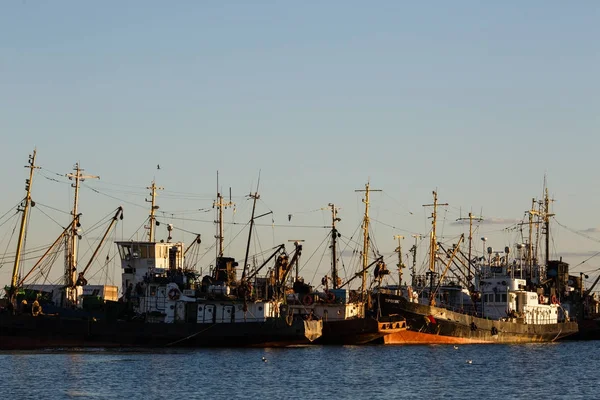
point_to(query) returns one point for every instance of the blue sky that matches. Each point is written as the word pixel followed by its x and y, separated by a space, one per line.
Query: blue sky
pixel 478 100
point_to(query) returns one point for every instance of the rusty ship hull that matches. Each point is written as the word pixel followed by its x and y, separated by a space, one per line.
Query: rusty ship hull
pixel 358 331
pixel 436 325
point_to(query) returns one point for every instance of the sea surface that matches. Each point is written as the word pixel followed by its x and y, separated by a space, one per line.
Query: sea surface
pixel 567 370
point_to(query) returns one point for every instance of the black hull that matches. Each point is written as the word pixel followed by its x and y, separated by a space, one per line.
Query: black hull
pixel 589 329
pixel 356 331
pixel 427 324
pixel 27 332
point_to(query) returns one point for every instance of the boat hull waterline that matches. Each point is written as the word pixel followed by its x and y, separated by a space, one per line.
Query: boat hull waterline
pixel 24 332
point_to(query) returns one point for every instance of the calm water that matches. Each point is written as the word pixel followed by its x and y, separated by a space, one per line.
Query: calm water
pixel 545 371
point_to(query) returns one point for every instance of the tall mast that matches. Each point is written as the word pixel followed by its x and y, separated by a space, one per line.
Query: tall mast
pixel 540 216
pixel 433 238
pixel 532 212
pixel 334 236
pixel 365 255
pixel 471 217
pixel 547 216
pixel 24 207
pixel 255 197
pixel 400 264
pixel 153 207
pixel 71 266
pixel 220 206
pixel 413 269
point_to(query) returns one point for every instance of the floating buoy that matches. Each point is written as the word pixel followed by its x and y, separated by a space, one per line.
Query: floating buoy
pixel 264 359
pixel 455 347
pixel 469 361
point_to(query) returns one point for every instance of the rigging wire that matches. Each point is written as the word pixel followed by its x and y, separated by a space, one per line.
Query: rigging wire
pixel 49 217
pixel 38 204
pixel 11 209
pixel 3 260
pixel 112 197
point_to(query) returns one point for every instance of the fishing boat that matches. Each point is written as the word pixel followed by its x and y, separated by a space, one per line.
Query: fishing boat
pixel 348 316
pixel 163 304
pixel 499 301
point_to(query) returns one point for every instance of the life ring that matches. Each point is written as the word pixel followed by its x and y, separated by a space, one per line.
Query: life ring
pixel 554 299
pixel 307 300
pixel 173 294
pixel 330 297
pixel 541 299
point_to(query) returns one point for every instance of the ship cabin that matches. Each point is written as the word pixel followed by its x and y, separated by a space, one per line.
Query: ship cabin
pixel 141 260
pixel 507 298
pixel 159 287
pixel 449 293
pixel 332 305
pixel 147 267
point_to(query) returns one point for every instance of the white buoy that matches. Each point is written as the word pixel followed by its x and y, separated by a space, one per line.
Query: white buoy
pixel 455 347
pixel 264 359
pixel 469 361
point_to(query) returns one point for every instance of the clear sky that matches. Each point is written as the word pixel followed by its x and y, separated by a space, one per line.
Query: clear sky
pixel 479 100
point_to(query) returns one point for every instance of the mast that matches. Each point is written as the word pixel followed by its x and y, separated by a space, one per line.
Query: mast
pixel 334 236
pixel 365 255
pixel 400 264
pixel 470 239
pixel 220 206
pixel 540 216
pixel 433 239
pixel 153 207
pixel 532 212
pixel 24 207
pixel 413 269
pixel 547 216
pixel 255 197
pixel 71 267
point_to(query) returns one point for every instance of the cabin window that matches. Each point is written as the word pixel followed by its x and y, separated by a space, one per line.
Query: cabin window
pixel 147 251
pixel 125 252
pixel 498 297
pixel 504 297
pixel 135 253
